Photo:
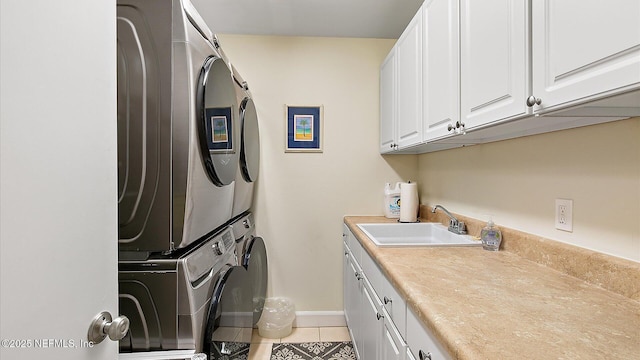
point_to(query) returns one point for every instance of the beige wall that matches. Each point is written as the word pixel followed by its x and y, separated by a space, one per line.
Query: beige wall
pixel 301 198
pixel 518 181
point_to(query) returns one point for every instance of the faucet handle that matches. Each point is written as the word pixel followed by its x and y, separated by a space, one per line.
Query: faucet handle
pixel 457 227
pixel 462 229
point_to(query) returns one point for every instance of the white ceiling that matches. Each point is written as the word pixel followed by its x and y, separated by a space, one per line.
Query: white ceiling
pixel 329 18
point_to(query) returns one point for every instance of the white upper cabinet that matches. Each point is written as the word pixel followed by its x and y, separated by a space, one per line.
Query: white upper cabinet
pixel 401 91
pixel 388 113
pixel 494 72
pixel 409 85
pixel 440 55
pixel 584 49
pixel 470 72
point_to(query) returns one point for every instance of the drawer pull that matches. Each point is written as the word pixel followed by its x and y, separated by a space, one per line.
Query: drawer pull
pixel 379 316
pixel 387 300
pixel 424 355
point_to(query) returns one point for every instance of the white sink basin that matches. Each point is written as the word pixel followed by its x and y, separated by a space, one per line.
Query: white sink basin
pixel 415 234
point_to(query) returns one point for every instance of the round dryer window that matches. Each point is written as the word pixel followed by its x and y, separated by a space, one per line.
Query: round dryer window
pixel 216 105
pixel 250 151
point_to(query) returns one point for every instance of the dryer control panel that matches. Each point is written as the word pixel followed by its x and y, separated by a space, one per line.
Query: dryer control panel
pixel 211 256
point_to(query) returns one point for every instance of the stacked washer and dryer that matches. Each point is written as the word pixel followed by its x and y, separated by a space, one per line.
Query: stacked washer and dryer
pixel 192 273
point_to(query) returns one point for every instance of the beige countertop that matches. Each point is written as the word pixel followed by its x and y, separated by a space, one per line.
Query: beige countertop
pixel 498 305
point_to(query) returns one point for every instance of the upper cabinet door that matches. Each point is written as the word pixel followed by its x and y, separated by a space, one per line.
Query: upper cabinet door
pixel 409 85
pixel 388 103
pixel 441 81
pixel 584 48
pixel 494 60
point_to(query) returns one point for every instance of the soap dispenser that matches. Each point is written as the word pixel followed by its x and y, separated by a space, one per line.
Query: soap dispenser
pixel 491 236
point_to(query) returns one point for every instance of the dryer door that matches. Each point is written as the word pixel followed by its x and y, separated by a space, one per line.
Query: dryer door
pixel 216 105
pixel 250 137
pixel 229 322
pixel 255 261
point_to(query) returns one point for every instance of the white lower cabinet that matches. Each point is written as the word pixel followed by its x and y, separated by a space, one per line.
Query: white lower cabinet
pixel 380 324
pixel 410 354
pixel 422 343
pixel 393 346
pixel 371 323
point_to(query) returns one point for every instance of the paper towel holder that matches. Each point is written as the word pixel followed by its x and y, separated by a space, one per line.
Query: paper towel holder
pixel 409 202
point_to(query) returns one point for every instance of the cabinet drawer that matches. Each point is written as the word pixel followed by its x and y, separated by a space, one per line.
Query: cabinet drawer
pixel 355 247
pixel 395 305
pixel 372 272
pixel 419 338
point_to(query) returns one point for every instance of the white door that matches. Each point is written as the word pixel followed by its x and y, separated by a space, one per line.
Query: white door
pixel 441 68
pixel 493 60
pixel 58 223
pixel 584 48
pixel 371 323
pixel 388 103
pixel 409 83
pixel 392 346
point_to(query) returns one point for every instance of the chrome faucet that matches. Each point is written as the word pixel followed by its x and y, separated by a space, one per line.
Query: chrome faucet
pixel 455 226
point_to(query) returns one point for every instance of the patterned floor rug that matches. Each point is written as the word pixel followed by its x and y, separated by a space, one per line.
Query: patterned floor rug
pixel 313 351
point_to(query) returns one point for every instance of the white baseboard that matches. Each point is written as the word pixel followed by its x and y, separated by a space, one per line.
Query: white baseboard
pixel 319 319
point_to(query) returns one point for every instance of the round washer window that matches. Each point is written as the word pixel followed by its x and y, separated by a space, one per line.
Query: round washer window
pixel 217 107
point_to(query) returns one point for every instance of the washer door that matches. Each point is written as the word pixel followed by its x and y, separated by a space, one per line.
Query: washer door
pixel 216 108
pixel 229 323
pixel 255 261
pixel 250 137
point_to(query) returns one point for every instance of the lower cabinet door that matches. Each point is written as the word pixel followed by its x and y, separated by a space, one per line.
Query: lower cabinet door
pixel 393 346
pixel 371 324
pixel 409 354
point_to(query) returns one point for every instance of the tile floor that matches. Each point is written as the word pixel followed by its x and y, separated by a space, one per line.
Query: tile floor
pixel 261 347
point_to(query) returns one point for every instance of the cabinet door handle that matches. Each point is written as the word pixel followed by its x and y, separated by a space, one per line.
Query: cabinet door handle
pixel 450 127
pixel 424 355
pixel 532 100
pixel 358 276
pixel 379 316
pixel 387 300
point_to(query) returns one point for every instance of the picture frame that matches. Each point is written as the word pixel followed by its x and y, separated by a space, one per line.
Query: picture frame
pixel 303 128
pixel 219 129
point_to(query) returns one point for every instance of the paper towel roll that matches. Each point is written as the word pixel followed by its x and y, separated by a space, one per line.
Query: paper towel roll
pixel 408 202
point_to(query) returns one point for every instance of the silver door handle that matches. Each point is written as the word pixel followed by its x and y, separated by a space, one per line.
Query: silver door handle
pixel 103 324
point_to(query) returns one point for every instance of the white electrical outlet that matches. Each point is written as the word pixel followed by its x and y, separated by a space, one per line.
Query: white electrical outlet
pixel 564 215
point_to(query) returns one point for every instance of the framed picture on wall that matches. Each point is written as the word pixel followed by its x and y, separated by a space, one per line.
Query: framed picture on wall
pixel 304 128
